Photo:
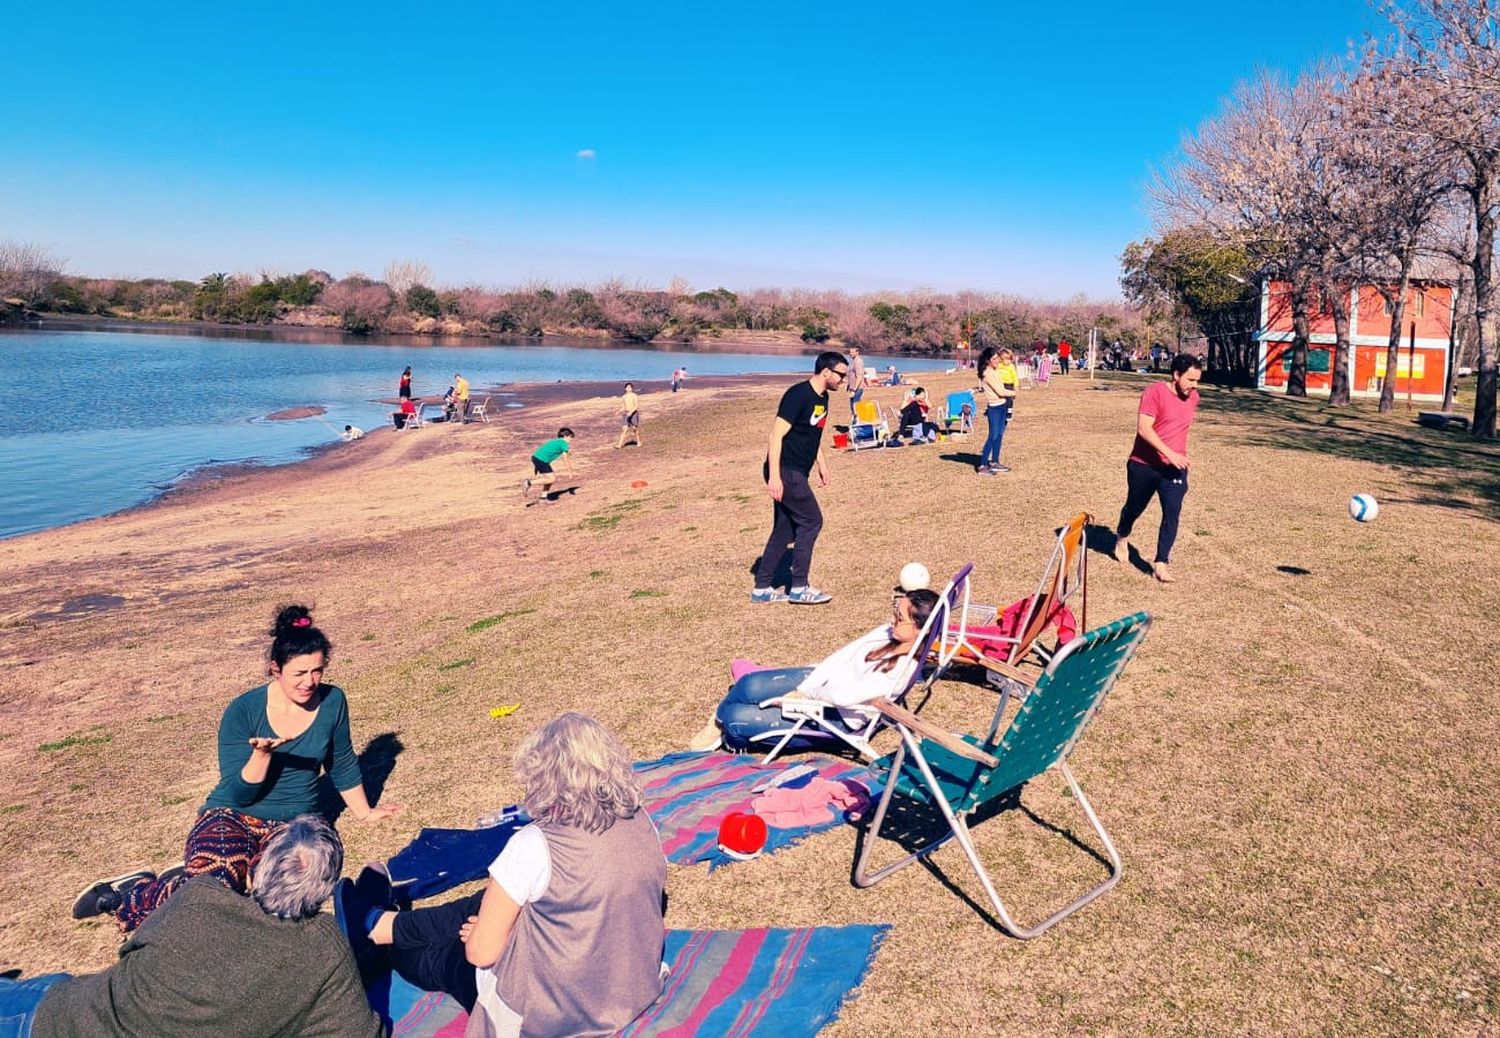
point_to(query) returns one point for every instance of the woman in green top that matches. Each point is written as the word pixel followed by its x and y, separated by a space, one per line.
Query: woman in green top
pixel 274 742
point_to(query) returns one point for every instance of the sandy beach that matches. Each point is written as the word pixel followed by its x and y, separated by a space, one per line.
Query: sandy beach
pixel 1298 767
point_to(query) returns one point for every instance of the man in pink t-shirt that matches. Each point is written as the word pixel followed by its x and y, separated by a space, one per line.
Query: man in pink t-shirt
pixel 1158 464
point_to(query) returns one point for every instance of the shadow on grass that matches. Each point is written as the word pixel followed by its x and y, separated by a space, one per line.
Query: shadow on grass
pixel 966 458
pixel 914 826
pixel 375 765
pixel 1439 467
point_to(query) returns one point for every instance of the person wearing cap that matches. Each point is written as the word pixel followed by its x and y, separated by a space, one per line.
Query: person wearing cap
pixel 872 667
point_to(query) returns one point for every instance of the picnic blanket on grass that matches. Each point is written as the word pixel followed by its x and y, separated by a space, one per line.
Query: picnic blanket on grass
pixel 773 982
pixel 686 794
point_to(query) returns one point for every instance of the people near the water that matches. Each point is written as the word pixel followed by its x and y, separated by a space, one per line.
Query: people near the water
pixel 793 453
pixel 679 376
pixel 405 413
pixel 403 390
pixel 871 667
pixel 450 404
pixel 856 382
pixel 567 935
pixel 1158 463
pixel 460 397
pixel 998 379
pixel 1064 355
pixel 543 476
pixel 630 417
pixel 914 418
pixel 275 741
pixel 214 962
pixel 353 432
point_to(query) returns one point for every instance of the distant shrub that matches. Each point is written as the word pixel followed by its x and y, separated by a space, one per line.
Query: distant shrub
pixel 422 300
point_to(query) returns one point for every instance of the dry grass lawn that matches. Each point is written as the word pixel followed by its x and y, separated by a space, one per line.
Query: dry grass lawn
pixel 1299 767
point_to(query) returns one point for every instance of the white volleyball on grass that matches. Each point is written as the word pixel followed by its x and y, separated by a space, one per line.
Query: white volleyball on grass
pixel 914 575
pixel 1363 508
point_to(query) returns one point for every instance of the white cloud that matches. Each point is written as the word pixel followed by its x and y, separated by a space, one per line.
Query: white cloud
pixel 586 154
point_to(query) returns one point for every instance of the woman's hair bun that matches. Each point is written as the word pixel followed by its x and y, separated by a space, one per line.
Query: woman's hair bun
pixel 290 618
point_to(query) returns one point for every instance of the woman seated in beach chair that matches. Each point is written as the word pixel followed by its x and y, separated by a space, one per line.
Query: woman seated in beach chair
pixel 914 420
pixel 873 666
pixel 406 413
pixel 567 935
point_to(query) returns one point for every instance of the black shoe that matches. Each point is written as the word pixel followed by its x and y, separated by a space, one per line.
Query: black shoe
pixel 106 896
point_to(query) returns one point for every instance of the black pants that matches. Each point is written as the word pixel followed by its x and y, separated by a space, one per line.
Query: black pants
pixel 1062 362
pixel 796 517
pixel 428 953
pixel 1170 485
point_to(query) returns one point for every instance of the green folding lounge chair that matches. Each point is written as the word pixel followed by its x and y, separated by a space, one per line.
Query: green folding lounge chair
pixel 961 774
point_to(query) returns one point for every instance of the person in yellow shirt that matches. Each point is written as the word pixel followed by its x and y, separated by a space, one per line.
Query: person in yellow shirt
pixel 461 396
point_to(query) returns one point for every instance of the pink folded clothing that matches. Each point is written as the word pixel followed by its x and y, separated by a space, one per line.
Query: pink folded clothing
pixel 739 667
pixel 786 807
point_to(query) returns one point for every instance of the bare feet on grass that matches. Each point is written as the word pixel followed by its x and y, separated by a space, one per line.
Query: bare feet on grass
pixel 1122 550
pixel 1162 572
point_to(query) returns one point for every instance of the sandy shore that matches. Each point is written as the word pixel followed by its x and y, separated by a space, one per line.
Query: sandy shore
pixel 1300 779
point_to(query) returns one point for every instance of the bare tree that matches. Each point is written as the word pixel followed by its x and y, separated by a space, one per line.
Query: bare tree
pixel 27 270
pixel 1252 174
pixel 1454 45
pixel 401 275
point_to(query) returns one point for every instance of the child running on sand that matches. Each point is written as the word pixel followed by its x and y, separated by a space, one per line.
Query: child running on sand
pixel 542 475
pixel 630 417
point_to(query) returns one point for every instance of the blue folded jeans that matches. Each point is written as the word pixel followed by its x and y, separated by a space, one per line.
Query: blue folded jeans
pixel 18 1002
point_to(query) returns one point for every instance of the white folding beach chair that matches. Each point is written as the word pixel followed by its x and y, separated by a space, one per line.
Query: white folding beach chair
pixel 481 411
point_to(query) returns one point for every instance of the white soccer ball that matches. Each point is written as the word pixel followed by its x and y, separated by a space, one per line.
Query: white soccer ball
pixel 914 575
pixel 1363 508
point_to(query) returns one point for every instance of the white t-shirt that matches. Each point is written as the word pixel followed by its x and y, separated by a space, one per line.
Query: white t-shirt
pixel 523 870
pixel 847 678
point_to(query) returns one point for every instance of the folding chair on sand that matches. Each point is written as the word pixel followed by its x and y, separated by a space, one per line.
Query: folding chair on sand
pixel 932 653
pixel 1060 595
pixel 869 428
pixel 964 774
pixel 961 411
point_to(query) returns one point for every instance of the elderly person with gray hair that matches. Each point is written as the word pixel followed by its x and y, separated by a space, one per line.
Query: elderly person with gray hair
pixel 566 936
pixel 213 962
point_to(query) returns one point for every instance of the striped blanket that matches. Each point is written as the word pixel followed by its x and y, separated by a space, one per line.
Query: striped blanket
pixel 688 795
pixel 781 982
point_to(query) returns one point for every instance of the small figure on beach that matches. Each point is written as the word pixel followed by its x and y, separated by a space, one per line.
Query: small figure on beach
pixel 353 432
pixel 460 397
pixel 275 741
pixel 679 376
pixel 213 962
pixel 1158 463
pixel 1064 355
pixel 630 416
pixel 568 927
pixel 857 381
pixel 542 460
pixel 914 421
pixel 794 450
pixel 404 389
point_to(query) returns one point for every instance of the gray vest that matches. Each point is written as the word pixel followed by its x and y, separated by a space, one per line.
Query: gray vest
pixel 585 957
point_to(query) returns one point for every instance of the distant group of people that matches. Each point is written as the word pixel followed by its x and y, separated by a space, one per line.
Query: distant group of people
pixel 456 402
pixel 565 938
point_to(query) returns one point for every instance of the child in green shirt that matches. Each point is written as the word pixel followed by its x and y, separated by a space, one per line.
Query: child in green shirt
pixel 542 459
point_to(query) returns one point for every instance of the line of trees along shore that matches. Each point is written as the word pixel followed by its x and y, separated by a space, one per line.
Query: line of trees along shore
pixel 404 301
pixel 1383 170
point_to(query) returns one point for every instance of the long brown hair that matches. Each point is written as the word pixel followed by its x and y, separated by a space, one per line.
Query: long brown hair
pixel 923 602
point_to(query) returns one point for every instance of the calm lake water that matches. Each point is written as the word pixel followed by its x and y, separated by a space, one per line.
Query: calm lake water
pixel 100 421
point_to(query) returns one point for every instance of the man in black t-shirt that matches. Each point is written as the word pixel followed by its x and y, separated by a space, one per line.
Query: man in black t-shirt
pixel 794 450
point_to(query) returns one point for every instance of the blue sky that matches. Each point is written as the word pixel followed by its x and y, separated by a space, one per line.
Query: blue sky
pixel 995 146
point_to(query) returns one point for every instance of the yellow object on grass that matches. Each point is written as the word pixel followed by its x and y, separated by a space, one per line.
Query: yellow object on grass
pixel 504 711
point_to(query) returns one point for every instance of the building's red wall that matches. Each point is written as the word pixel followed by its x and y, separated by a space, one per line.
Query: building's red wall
pixel 1432 323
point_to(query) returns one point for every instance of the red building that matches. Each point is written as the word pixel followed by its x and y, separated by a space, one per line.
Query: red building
pixel 1424 370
